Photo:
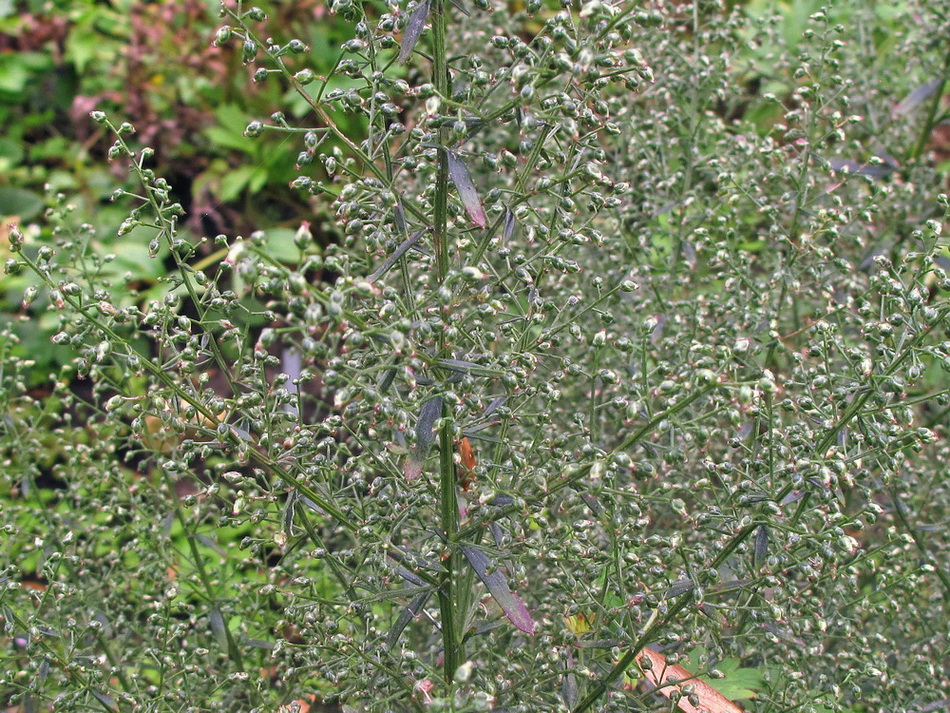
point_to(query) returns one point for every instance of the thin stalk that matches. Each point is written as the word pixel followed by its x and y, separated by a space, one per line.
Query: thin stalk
pixel 900 511
pixel 257 455
pixel 628 658
pixel 656 626
pixel 582 472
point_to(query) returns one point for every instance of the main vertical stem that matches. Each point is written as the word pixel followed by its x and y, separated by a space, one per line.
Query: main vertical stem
pixel 453 651
pixel 440 80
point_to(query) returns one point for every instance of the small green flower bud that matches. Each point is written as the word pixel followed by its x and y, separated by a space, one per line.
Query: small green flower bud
pixel 249 51
pixel 305 76
pixel 222 36
pixel 303 237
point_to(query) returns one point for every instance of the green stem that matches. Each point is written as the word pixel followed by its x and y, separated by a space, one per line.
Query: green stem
pixel 440 79
pixel 931 119
pixel 628 658
pixel 453 651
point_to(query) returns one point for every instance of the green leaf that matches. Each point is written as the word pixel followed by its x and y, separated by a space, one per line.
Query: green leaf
pixel 19 202
pixel 739 683
pixel 17 69
pixel 11 153
pixel 234 182
pixel 281 246
pixel 226 138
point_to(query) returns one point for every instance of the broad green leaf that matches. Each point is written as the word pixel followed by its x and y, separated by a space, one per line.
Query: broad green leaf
pixel 19 202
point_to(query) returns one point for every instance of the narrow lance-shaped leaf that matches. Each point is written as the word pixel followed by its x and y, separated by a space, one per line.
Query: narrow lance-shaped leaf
pixel 509 224
pixel 425 435
pixel 217 626
pixel 104 699
pixel 403 248
pixel 917 97
pixel 407 615
pixel 287 520
pixel 497 585
pixel 569 690
pixel 761 547
pixel 414 28
pixel 399 216
pixel 843 165
pixel 462 179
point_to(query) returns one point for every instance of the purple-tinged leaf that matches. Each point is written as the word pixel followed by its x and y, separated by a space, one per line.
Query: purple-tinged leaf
pixel 689 252
pixel 761 547
pixel 290 509
pixel 461 367
pixel 407 615
pixel 917 97
pixel 312 505
pixel 397 253
pixel 399 216
pixel 678 588
pixel 841 165
pixel 211 544
pixel 783 634
pixel 509 224
pixel 569 691
pixel 496 402
pixel 410 577
pixel 425 434
pixel 792 497
pixel 592 504
pixel 497 586
pixel 498 535
pixel 501 501
pixel 414 28
pixel 462 179
pixel 218 626
pixel 104 700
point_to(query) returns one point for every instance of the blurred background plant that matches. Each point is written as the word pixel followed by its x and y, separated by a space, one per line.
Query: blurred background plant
pixel 191 100
pixel 519 337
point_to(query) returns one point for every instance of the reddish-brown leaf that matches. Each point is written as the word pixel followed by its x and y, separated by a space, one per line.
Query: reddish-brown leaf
pixel 467 464
pixel 665 677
